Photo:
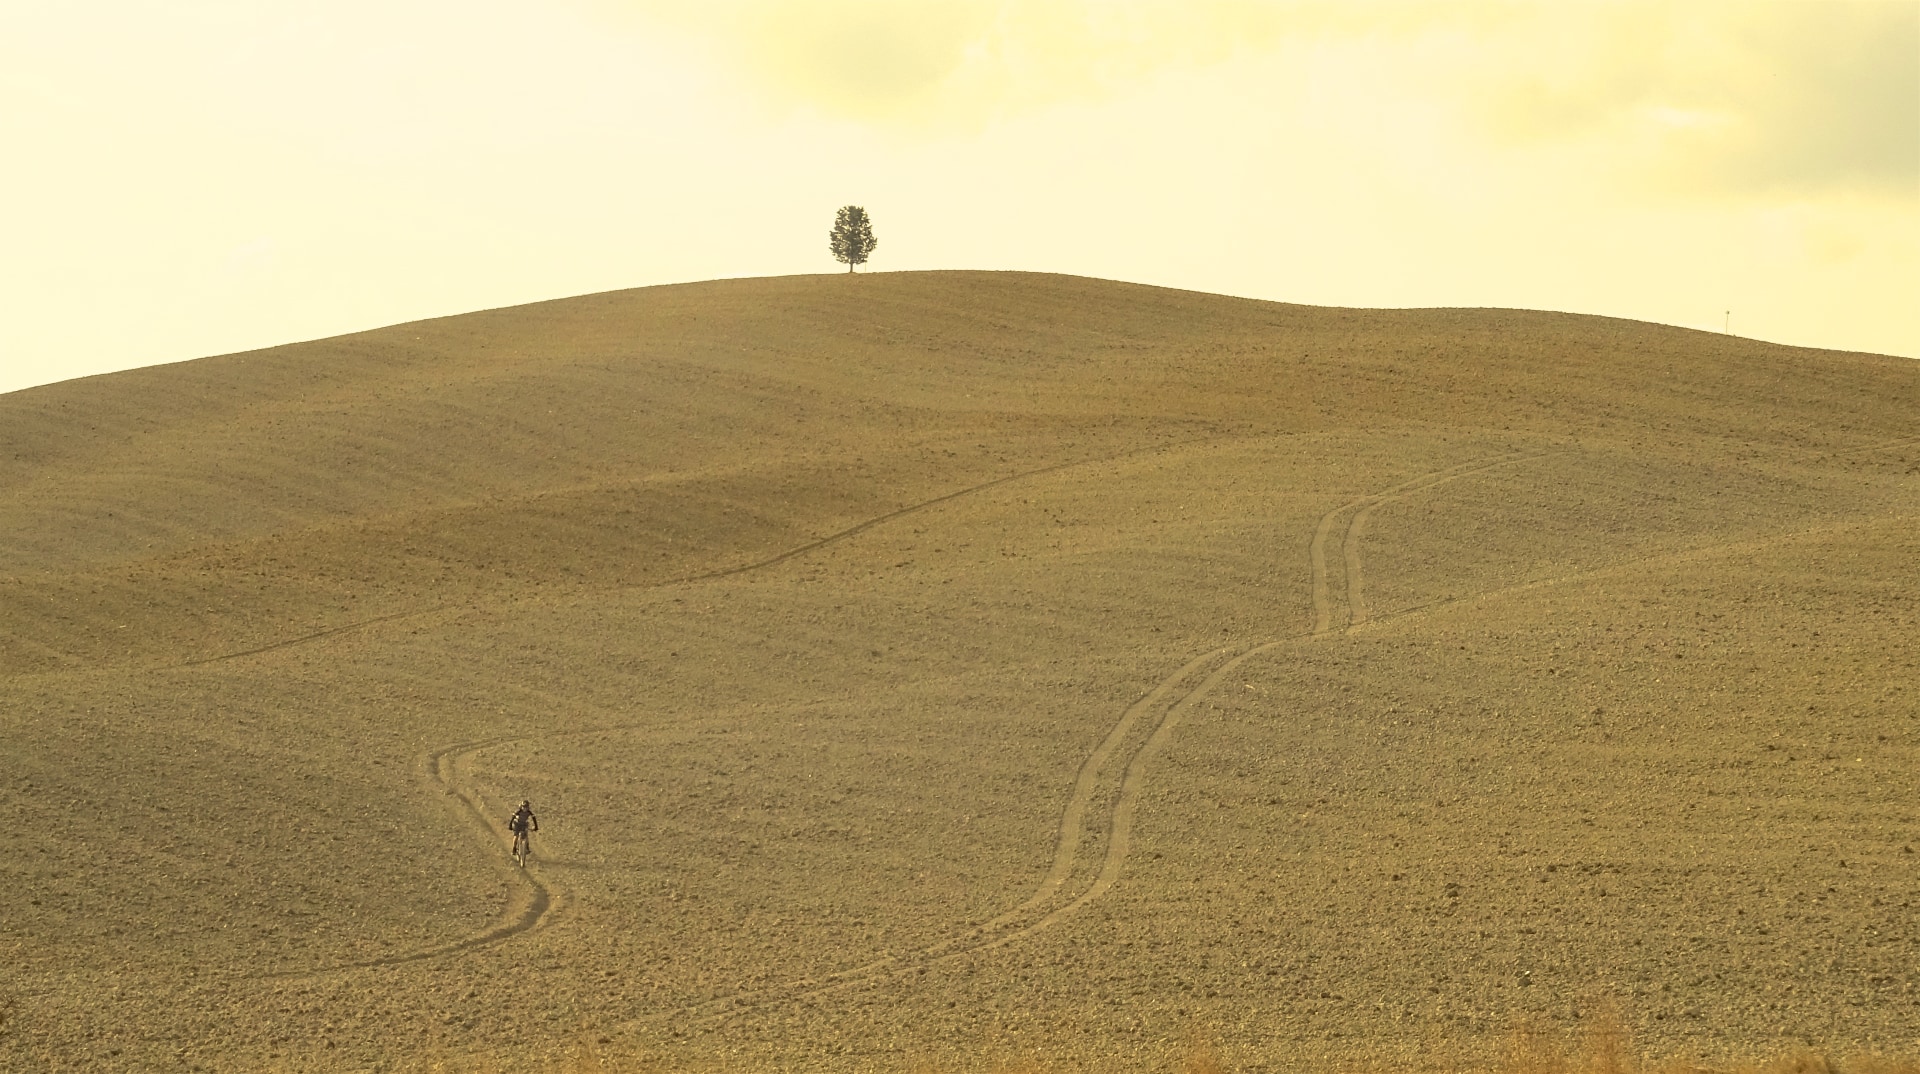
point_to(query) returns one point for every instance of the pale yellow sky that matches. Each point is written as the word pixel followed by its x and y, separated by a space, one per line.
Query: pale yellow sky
pixel 200 176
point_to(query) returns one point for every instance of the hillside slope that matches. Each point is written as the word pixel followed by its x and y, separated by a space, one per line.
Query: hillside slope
pixel 959 667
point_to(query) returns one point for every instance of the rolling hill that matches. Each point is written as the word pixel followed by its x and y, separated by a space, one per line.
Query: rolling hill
pixel 961 669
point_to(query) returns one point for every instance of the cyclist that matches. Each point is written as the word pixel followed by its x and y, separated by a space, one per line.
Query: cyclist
pixel 523 825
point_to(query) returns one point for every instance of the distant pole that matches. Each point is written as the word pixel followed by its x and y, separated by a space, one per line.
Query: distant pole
pixel 1727 328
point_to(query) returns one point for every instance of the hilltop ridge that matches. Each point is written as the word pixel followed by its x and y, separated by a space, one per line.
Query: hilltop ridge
pixel 961 668
pixel 421 444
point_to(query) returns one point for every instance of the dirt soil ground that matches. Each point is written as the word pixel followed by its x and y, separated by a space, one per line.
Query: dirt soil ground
pixel 961 669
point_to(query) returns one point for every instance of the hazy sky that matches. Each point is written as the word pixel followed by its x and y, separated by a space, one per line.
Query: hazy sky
pixel 190 177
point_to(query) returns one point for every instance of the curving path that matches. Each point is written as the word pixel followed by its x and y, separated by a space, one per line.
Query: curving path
pixel 1321 601
pixel 303 639
pixel 538 894
pixel 1044 908
pixel 723 572
pixel 529 907
pixel 1356 527
pixel 1163 707
pixel 1864 449
pixel 1007 927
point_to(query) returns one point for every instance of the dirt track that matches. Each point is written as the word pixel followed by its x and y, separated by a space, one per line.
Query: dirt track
pixel 527 913
pixel 966 669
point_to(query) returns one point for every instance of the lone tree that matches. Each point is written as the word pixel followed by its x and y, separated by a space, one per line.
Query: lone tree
pixel 851 239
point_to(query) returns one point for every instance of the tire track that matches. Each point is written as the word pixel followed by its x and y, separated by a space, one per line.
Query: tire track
pixel 1317 550
pixel 527 913
pixel 1070 830
pixel 523 914
pixel 439 766
pixel 1357 610
pixel 1321 601
pixel 1694 554
pixel 1866 449
pixel 987 936
pixel 1120 828
pixel 1363 509
pixel 1356 596
pixel 1119 845
pixel 724 572
pixel 305 638
pixel 1073 818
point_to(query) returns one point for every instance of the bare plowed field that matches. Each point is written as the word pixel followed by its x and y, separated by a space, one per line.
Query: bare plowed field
pixel 962 669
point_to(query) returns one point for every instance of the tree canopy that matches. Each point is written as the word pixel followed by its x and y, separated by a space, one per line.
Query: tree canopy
pixel 851 239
